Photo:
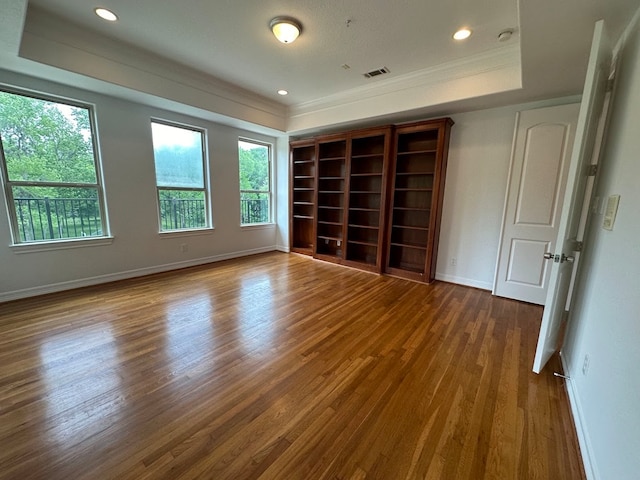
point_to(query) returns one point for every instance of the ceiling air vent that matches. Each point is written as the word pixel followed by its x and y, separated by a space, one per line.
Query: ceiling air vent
pixel 375 73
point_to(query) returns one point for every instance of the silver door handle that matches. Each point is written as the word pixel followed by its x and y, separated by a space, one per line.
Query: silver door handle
pixel 566 258
pixel 549 256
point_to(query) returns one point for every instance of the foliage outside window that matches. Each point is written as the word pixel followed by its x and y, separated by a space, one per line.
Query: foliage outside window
pixel 180 177
pixel 255 182
pixel 48 161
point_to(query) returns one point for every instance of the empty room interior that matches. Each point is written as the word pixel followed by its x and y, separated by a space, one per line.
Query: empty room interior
pixel 319 240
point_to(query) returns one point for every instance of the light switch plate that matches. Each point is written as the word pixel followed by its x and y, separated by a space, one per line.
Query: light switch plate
pixel 610 212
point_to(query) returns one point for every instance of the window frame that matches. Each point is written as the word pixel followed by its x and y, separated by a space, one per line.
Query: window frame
pixel 206 185
pixel 8 185
pixel 269 192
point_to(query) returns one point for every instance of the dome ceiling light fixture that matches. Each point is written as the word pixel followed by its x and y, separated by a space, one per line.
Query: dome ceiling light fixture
pixel 286 29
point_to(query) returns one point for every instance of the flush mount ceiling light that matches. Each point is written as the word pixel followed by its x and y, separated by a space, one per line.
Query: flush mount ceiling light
pixel 285 29
pixel 283 92
pixel 106 14
pixel 462 34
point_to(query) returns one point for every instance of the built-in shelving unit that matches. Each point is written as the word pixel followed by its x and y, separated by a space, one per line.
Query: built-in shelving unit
pixel 367 194
pixel 303 192
pixel 417 189
pixel 350 207
pixel 332 167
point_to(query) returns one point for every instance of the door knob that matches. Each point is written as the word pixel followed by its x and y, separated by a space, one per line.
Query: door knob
pixel 548 256
pixel 566 258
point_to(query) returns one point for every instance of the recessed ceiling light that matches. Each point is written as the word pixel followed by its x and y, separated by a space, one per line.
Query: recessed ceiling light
pixel 283 92
pixel 462 34
pixel 106 14
pixel 505 35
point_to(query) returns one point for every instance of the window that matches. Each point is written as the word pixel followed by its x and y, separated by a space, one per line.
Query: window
pixel 48 163
pixel 255 182
pixel 180 177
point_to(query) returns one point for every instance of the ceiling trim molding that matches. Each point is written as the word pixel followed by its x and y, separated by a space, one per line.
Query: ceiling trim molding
pixel 497 59
pixel 56 42
pixel 14 13
pixel 495 72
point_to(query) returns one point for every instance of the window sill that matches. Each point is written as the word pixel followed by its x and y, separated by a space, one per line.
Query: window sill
pixel 47 246
pixel 258 226
pixel 186 233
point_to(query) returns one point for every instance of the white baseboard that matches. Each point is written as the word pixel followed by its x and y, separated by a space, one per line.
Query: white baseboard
pixel 583 437
pixel 469 282
pixel 112 277
pixel 283 248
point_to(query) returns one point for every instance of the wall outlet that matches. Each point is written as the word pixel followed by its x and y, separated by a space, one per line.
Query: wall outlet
pixel 453 262
pixel 585 365
pixel 184 247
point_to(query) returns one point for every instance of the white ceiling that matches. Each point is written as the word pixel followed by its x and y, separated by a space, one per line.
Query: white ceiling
pixel 231 40
pixel 228 46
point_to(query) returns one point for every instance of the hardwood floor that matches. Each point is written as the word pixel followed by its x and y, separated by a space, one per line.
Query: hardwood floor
pixel 278 367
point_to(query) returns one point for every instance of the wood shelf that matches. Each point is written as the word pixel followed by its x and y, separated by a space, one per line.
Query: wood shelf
pixel 370 227
pixel 326 237
pixel 416 152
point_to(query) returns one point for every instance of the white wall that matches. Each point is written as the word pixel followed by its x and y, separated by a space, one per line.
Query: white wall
pixel 605 322
pixel 479 157
pixel 474 198
pixel 137 247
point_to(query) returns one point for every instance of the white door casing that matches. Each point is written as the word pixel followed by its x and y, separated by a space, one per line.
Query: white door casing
pixel 591 109
pixel 540 156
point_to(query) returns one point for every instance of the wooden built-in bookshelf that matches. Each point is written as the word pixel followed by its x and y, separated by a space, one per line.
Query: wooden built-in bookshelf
pixel 416 191
pixel 371 198
pixel 302 168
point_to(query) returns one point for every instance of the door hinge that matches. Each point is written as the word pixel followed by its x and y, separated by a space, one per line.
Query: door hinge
pixel 592 170
pixel 610 82
pixel 577 246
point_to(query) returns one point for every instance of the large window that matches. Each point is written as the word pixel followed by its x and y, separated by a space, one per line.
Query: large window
pixel 255 182
pixel 180 177
pixel 49 168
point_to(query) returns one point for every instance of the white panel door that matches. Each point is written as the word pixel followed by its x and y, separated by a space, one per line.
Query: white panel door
pixel 537 178
pixel 587 132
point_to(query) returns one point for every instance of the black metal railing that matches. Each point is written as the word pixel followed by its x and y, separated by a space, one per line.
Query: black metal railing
pixel 57 218
pixel 254 210
pixel 180 214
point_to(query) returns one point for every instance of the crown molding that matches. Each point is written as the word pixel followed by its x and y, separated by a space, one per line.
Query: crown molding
pixel 495 71
pixel 50 40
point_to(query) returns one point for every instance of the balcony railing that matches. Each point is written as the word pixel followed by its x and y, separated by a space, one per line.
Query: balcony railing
pixel 42 219
pixel 254 210
pixel 181 214
pixel 57 218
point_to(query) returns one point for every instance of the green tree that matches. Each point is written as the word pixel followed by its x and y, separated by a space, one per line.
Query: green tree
pixel 45 142
pixel 254 167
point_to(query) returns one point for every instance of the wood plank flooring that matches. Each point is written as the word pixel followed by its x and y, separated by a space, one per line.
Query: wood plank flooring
pixel 278 367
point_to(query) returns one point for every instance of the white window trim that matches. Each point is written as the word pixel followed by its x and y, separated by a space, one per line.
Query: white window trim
pixel 206 182
pixel 271 221
pixel 7 190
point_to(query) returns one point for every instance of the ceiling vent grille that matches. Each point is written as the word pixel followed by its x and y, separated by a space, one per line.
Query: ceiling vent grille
pixel 375 73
